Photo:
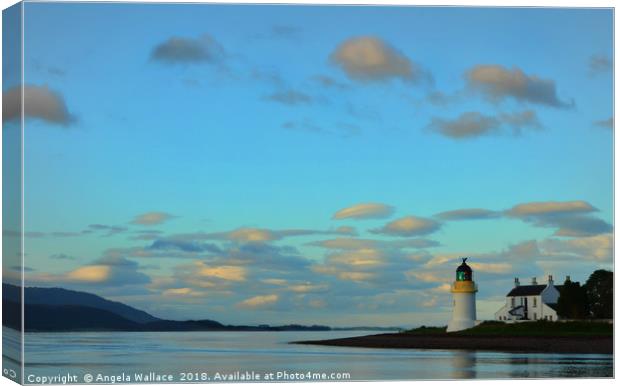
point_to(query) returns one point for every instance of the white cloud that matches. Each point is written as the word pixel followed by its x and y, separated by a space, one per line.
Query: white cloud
pixel 498 83
pixel 259 301
pixel 152 218
pixel 184 50
pixel 90 274
pixel 408 226
pixel 367 210
pixel 550 207
pixel 370 59
pixel 39 102
pixel 224 272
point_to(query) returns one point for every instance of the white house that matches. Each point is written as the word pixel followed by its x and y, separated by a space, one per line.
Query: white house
pixel 531 302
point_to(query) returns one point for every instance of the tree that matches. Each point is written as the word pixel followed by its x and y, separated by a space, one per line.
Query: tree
pixel 573 301
pixel 600 293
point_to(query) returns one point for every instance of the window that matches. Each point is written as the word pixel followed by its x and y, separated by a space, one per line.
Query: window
pixel 534 302
pixel 534 316
pixel 512 302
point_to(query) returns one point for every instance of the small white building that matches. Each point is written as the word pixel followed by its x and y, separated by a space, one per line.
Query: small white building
pixel 531 302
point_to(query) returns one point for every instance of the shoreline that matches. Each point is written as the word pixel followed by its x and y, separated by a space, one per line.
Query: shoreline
pixel 507 343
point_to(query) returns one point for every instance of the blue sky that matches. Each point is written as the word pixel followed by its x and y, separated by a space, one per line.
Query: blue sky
pixel 239 133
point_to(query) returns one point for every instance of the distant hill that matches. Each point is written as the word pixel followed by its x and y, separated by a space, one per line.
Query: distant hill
pixel 64 297
pixel 67 318
pixel 61 310
pixel 81 318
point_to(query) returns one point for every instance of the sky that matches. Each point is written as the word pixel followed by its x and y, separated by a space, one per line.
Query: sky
pixel 312 164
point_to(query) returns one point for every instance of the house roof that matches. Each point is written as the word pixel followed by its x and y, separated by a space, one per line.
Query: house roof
pixel 554 306
pixel 529 290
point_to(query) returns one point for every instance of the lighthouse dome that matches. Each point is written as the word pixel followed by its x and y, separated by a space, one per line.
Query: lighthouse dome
pixel 464 272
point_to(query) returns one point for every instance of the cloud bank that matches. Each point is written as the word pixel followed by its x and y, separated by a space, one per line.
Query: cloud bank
pixel 571 218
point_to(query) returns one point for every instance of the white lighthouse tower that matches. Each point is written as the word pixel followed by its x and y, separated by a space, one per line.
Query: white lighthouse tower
pixel 464 294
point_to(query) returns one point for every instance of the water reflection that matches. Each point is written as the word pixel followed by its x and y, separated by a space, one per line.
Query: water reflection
pixel 463 364
pixel 558 365
pixel 111 353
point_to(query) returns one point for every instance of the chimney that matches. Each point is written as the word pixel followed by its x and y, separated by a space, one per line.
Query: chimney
pixel 516 282
pixel 534 281
pixel 567 278
pixel 550 281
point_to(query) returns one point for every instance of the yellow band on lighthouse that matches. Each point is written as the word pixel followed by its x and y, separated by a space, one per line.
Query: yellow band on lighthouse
pixel 464 286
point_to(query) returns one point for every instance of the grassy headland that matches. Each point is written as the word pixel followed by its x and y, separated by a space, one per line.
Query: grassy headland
pixel 542 336
pixel 538 328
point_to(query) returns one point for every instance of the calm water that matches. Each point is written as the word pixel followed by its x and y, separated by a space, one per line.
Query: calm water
pixel 113 354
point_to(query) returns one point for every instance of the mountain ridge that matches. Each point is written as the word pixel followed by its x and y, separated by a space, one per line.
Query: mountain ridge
pixel 59 296
pixel 60 310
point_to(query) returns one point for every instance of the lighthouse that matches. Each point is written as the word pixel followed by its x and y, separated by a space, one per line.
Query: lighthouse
pixel 464 294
